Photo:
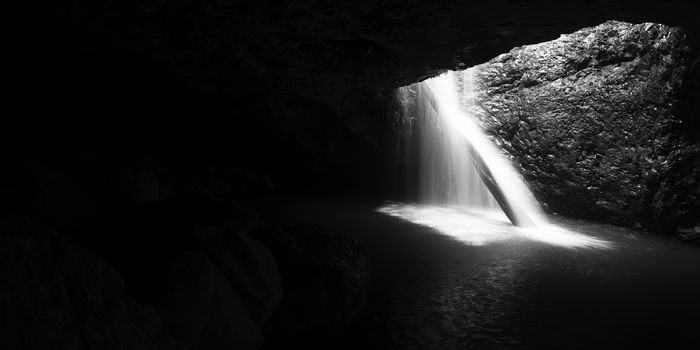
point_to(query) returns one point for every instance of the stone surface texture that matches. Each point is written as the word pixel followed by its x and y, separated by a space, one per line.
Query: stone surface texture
pixel 58 296
pixel 326 280
pixel 600 124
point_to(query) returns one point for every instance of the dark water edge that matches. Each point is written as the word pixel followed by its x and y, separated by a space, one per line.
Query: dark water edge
pixel 430 291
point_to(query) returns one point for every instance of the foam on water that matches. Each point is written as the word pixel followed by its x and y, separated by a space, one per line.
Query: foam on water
pixel 481 227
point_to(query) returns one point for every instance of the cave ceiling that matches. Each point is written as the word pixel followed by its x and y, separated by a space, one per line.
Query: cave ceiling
pixel 325 49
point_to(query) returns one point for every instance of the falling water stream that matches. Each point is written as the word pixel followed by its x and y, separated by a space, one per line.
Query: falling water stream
pixel 459 165
pixel 467 185
pixel 448 175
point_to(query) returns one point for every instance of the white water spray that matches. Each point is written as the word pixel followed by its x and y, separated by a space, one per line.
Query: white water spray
pixel 460 166
pixel 464 179
pixel 447 171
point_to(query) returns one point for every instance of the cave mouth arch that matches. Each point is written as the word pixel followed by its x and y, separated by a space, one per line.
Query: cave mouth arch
pixel 147 140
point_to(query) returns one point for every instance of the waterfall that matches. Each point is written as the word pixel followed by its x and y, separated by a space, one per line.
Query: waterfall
pixel 464 179
pixel 459 166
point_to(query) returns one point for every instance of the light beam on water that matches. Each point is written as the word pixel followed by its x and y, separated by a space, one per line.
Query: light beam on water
pixel 464 179
pixel 481 227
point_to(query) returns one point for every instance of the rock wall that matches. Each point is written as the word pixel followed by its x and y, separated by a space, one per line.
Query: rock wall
pixel 57 296
pixel 602 124
pixel 184 268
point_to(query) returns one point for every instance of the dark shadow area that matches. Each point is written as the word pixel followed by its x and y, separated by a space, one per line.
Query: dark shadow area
pixel 158 158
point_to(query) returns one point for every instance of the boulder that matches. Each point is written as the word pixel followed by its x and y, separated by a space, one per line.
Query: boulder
pixel 596 123
pixel 325 277
pixel 202 308
pixel 247 265
pixel 57 296
pixel 153 245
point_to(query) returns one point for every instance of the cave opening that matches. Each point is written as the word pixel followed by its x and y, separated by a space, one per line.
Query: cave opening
pixel 216 175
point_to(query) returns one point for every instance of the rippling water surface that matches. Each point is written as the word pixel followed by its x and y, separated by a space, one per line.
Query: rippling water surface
pixel 446 279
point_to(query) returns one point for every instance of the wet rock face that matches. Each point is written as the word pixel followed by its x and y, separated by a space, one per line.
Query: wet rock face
pixel 597 123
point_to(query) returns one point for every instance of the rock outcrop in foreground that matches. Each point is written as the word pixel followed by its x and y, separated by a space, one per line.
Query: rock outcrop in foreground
pixel 602 123
pixel 57 296
pixel 326 279
pixel 174 270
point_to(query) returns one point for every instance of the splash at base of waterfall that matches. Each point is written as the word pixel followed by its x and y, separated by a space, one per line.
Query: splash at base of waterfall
pixel 478 227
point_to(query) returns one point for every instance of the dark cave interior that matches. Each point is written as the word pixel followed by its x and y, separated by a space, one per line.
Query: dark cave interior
pixel 143 140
